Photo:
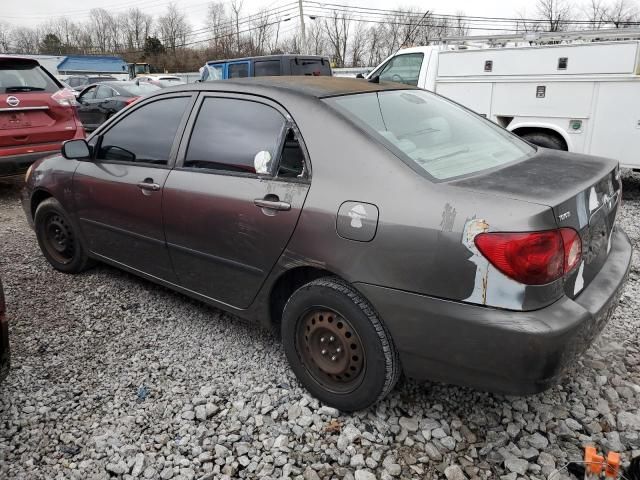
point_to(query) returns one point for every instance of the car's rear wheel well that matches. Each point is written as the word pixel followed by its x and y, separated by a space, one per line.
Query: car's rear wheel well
pixel 36 199
pixel 288 283
pixel 551 138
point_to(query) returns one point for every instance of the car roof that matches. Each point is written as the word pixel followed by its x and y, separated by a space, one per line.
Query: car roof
pixel 310 86
pixel 284 56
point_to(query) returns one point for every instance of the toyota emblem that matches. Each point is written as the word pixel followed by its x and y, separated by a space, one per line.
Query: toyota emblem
pixel 13 101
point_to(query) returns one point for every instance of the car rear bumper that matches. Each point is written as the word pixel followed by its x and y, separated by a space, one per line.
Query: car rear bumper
pixel 500 350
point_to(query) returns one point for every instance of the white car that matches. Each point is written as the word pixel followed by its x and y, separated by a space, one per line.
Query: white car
pixel 162 81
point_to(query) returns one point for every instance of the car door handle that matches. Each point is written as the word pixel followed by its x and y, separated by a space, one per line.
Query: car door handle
pixel 149 186
pixel 273 205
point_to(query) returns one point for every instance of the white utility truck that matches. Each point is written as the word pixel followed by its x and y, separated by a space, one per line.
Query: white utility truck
pixel 581 97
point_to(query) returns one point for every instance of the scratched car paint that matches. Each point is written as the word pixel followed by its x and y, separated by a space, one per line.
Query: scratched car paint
pixel 382 228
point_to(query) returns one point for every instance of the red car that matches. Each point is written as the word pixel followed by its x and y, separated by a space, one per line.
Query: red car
pixel 36 114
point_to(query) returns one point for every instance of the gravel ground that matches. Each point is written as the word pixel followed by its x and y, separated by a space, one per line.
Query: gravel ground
pixel 116 377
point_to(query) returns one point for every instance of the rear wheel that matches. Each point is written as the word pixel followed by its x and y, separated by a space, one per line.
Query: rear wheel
pixel 545 140
pixel 337 346
pixel 57 238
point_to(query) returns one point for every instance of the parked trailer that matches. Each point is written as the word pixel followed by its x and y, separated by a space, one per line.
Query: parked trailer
pixel 581 97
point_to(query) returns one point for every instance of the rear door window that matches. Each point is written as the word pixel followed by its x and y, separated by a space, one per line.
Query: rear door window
pixel 266 68
pixel 233 135
pixel 403 69
pixel 239 70
pixel 18 76
pixel 138 140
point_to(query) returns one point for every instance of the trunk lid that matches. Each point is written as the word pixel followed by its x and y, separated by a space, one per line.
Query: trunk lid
pixel 583 192
pixel 29 112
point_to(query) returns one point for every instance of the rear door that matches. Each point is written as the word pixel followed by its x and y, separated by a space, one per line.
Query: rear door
pixel 118 195
pixel 29 111
pixel 233 200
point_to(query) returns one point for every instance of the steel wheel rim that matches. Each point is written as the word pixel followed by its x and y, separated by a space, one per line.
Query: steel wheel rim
pixel 330 350
pixel 58 238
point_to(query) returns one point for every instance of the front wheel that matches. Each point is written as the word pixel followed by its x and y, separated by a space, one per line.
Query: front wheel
pixel 337 346
pixel 57 238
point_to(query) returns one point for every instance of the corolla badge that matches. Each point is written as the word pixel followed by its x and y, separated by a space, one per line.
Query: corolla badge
pixel 13 101
pixel 357 214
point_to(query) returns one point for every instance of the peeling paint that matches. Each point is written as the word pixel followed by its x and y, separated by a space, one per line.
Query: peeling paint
pixel 579 280
pixel 472 228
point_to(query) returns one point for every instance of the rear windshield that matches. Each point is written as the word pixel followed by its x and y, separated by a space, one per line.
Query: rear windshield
pixel 310 66
pixel 442 138
pixel 20 77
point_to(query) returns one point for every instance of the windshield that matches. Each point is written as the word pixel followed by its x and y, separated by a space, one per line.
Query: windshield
pixel 439 136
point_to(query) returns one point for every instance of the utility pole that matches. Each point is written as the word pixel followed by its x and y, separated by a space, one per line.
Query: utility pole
pixel 303 46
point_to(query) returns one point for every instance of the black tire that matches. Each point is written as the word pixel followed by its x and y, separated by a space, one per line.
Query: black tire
pixel 58 239
pixel 545 140
pixel 376 368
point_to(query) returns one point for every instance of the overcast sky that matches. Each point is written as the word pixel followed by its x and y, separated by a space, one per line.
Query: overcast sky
pixel 32 12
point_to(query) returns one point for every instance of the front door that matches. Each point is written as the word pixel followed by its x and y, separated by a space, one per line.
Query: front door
pixel 118 195
pixel 88 109
pixel 233 200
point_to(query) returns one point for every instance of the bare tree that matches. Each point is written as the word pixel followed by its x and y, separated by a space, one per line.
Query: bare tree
pixel 337 30
pixel 26 40
pixel 236 7
pixel 596 13
pixel 220 24
pixel 623 12
pixel 358 44
pixel 137 27
pixel 260 33
pixel 5 37
pixel 100 21
pixel 555 14
pixel 173 28
pixel 316 38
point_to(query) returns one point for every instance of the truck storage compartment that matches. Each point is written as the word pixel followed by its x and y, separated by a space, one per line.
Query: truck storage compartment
pixel 580 59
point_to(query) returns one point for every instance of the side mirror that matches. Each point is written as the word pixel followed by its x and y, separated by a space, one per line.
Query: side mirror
pixel 76 149
pixel 359 75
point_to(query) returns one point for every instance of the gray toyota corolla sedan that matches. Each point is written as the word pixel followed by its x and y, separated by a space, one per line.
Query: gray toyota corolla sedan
pixel 383 228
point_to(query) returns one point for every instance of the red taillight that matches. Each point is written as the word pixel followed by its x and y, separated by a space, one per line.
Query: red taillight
pixel 130 100
pixel 65 97
pixel 532 258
